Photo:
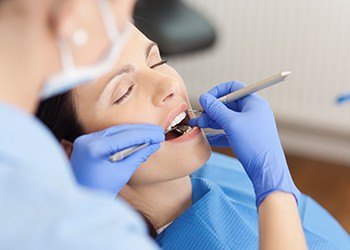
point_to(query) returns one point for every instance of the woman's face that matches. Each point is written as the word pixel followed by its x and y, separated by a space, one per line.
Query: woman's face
pixel 144 89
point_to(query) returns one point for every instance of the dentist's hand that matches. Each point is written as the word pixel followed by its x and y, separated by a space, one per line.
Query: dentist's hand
pixel 251 132
pixel 90 155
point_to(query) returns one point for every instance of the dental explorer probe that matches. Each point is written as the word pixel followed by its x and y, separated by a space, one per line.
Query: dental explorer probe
pixel 238 94
pixel 128 151
pixel 268 82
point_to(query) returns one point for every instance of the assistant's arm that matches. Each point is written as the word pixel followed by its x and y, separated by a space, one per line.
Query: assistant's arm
pixel 42 207
pixel 38 214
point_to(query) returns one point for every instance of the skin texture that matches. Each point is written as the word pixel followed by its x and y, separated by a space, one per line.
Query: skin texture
pixel 279 223
pixel 161 186
pixel 44 21
pixel 156 93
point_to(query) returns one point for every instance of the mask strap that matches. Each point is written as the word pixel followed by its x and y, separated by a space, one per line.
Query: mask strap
pixel 109 19
pixel 72 75
pixel 66 55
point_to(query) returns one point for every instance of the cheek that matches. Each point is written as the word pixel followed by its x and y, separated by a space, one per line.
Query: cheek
pixel 95 121
pixel 182 85
pixel 131 114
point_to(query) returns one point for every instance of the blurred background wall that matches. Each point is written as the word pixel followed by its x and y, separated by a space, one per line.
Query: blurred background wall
pixel 259 38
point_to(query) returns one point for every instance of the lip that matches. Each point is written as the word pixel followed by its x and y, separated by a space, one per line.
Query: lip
pixel 186 137
pixel 182 108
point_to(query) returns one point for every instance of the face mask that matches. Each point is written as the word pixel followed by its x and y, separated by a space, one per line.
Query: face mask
pixel 71 75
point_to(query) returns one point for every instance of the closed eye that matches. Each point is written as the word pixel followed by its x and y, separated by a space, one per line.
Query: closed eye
pixel 126 95
pixel 159 64
pixel 121 99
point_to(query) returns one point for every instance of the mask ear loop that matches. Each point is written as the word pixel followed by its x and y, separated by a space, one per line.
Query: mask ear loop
pixel 66 55
pixel 117 38
pixel 67 60
pixel 109 20
pixel 71 74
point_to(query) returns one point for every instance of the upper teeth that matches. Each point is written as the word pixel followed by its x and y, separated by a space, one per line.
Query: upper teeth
pixel 177 120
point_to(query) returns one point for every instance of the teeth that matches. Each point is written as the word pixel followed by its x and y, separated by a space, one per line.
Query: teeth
pixel 177 120
pixel 184 129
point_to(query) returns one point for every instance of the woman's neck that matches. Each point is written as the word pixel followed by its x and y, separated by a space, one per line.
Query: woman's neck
pixel 161 203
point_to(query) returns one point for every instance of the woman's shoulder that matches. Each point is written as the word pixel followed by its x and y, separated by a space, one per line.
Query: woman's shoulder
pixel 214 220
pixel 229 175
pixel 203 188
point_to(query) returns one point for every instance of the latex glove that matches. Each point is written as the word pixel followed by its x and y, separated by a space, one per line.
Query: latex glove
pixel 250 131
pixel 90 155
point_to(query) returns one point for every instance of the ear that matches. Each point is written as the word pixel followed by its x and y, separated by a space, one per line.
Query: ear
pixel 67 147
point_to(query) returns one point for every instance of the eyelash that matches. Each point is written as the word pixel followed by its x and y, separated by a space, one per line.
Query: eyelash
pixel 125 95
pixel 132 87
pixel 159 64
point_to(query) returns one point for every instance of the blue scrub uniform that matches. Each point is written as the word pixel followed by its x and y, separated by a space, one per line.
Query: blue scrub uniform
pixel 223 214
pixel 41 206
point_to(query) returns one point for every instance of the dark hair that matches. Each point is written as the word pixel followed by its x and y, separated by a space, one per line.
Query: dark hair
pixel 58 113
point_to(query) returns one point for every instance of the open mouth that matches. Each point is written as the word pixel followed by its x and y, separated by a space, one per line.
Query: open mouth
pixel 178 127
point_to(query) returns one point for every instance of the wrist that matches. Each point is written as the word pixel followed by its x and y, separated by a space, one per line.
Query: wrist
pixel 291 195
pixel 271 174
pixel 279 197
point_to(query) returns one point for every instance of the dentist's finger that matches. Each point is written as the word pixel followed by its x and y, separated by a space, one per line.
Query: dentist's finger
pixel 226 88
pixel 130 164
pixel 218 140
pixel 217 110
pixel 127 127
pixel 229 87
pixel 204 121
pixel 139 157
pixel 106 146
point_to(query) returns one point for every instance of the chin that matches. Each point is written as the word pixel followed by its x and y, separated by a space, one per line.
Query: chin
pixel 175 159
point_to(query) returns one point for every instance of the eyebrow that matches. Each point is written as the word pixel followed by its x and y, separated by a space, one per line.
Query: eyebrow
pixel 127 68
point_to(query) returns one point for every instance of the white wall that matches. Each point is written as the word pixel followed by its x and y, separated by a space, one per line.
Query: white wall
pixel 260 38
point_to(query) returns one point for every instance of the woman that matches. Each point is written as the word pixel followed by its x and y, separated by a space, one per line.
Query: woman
pixel 186 212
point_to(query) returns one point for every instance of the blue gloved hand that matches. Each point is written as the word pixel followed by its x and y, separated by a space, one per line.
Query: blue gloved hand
pixel 250 131
pixel 90 155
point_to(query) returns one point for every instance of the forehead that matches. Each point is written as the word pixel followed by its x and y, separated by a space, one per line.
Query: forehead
pixel 132 53
pixel 135 45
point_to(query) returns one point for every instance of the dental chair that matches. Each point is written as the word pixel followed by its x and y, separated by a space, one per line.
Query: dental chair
pixel 174 26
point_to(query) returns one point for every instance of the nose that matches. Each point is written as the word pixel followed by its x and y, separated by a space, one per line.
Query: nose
pixel 161 87
pixel 165 89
